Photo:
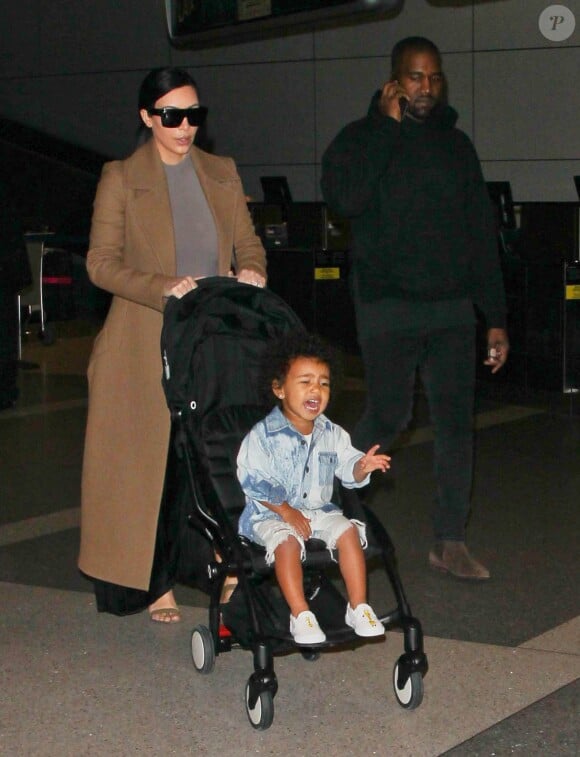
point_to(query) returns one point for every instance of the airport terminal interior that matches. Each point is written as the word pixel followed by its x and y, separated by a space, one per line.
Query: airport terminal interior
pixel 504 655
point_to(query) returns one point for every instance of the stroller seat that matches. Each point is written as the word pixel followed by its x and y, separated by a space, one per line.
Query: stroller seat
pixel 212 343
pixel 317 555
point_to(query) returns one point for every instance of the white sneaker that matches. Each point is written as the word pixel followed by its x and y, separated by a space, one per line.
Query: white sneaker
pixel 305 629
pixel 364 621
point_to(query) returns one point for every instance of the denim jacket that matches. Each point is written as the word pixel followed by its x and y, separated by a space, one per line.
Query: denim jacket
pixel 276 465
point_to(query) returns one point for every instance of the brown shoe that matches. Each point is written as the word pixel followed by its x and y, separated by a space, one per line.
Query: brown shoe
pixel 452 557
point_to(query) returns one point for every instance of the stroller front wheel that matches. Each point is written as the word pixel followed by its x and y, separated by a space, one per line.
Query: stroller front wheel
pixel 202 650
pixel 410 695
pixel 261 714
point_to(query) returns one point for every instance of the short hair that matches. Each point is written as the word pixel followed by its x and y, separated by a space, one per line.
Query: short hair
pixel 417 44
pixel 281 353
pixel 161 81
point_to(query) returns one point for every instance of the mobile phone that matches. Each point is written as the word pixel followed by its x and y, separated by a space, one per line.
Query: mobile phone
pixel 403 105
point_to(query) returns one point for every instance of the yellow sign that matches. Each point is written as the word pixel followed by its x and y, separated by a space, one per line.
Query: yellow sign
pixel 248 9
pixel 573 291
pixel 325 274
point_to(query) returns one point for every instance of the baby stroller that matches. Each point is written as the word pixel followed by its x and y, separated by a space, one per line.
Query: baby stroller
pixel 212 342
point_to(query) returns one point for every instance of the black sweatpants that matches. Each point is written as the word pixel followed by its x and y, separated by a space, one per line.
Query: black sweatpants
pixel 446 361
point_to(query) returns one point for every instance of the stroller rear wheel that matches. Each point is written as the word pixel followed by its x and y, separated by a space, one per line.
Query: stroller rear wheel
pixel 261 714
pixel 202 650
pixel 410 694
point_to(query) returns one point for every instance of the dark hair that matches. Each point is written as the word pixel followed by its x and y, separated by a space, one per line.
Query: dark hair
pixel 280 354
pixel 417 44
pixel 159 82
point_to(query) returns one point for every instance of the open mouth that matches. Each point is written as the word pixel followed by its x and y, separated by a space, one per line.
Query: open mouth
pixel 312 405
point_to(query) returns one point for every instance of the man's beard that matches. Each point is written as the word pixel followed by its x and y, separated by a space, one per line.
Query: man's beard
pixel 422 107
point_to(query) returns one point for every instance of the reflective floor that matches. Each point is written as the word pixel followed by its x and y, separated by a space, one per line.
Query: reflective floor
pixel 504 656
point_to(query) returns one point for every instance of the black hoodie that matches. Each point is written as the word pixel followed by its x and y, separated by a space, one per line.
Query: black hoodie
pixel 420 214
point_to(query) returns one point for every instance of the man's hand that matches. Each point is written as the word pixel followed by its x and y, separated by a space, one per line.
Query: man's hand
pixel 390 104
pixel 498 348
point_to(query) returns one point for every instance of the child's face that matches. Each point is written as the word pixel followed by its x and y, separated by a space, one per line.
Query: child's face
pixel 304 393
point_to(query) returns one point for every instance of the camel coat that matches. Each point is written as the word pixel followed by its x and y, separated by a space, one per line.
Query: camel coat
pixel 132 252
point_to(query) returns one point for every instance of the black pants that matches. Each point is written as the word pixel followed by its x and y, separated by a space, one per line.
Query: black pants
pixel 125 600
pixel 446 361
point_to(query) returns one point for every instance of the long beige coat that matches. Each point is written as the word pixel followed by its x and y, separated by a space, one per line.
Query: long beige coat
pixel 132 252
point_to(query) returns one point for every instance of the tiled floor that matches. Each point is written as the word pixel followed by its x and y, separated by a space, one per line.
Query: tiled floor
pixel 504 656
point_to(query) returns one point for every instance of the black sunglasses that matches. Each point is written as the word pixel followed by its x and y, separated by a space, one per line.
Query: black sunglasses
pixel 173 117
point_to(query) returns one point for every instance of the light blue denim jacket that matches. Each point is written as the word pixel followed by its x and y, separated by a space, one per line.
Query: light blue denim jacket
pixel 276 465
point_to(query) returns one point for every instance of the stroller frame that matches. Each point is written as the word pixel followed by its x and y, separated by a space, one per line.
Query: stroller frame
pixel 239 558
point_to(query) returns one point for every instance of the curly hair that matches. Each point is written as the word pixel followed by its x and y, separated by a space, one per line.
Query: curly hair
pixel 281 353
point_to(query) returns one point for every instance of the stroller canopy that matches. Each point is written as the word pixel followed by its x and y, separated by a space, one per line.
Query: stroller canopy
pixel 212 341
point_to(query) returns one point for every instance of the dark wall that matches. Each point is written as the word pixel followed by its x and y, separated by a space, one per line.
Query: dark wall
pixel 52 183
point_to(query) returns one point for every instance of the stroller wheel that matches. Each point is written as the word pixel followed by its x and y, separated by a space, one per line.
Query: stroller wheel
pixel 410 695
pixel 202 650
pixel 261 714
pixel 310 655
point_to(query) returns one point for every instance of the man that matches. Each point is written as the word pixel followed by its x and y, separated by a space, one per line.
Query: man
pixel 425 253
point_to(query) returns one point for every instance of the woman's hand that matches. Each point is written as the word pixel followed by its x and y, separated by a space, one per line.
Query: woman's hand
pixel 179 286
pixel 246 276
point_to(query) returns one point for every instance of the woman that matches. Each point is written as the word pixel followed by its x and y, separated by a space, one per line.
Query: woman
pixel 167 215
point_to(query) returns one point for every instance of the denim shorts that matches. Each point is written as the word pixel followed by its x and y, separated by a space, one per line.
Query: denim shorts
pixel 326 526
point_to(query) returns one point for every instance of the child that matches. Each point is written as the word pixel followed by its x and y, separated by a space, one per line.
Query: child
pixel 286 467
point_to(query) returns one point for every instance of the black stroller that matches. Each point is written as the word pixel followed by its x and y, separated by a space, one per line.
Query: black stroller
pixel 212 342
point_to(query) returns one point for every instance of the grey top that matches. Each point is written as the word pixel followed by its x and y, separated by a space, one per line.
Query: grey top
pixel 196 243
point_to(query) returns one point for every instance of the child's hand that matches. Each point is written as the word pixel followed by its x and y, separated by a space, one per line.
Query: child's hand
pixel 371 462
pixel 299 522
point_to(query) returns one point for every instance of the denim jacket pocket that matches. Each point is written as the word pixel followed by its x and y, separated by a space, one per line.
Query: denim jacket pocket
pixel 327 462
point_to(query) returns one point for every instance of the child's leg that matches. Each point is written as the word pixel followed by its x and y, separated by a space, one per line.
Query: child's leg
pixel 288 568
pixel 359 615
pixel 338 532
pixel 304 627
pixel 285 549
pixel 352 566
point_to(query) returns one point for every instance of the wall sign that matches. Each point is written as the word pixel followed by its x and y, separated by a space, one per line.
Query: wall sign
pixel 206 23
pixel 557 23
